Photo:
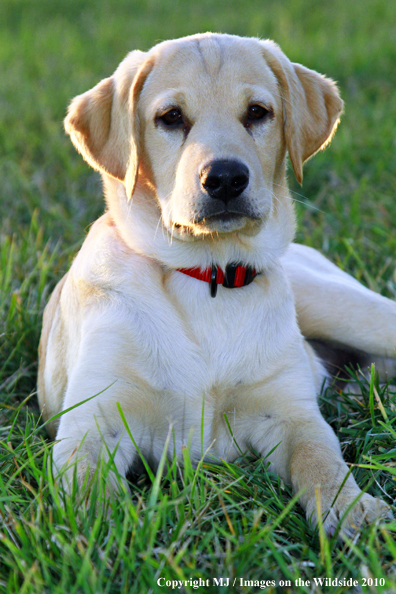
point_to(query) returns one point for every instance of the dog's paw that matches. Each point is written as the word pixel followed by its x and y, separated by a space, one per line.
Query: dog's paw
pixel 366 510
pixel 84 475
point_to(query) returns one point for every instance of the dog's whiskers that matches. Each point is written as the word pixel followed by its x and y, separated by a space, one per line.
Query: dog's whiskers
pixel 157 227
pixel 307 204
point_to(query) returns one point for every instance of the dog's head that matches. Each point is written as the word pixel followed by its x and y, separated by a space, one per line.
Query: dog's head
pixel 205 122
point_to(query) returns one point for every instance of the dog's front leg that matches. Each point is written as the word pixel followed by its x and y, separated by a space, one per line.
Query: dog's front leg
pixel 93 437
pixel 308 456
pixel 316 466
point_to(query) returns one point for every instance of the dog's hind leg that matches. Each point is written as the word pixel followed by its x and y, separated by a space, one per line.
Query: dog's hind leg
pixel 338 314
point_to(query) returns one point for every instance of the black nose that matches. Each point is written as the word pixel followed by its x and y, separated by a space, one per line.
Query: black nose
pixel 224 179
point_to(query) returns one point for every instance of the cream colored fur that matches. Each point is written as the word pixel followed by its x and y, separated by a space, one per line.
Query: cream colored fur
pixel 125 323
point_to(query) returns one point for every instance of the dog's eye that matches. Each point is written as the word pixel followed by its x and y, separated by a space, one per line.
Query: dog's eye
pixel 173 117
pixel 255 114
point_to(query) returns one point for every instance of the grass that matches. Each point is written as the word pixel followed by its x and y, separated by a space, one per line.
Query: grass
pixel 235 520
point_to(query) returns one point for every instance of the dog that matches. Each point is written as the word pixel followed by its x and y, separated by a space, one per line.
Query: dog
pixel 188 306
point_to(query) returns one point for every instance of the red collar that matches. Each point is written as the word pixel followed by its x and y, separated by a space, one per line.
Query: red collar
pixel 235 276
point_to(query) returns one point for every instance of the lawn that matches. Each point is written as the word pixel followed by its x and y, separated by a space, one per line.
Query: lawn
pixel 233 521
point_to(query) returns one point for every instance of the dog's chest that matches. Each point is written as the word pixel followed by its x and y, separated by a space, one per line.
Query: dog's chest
pixel 202 343
pixel 228 332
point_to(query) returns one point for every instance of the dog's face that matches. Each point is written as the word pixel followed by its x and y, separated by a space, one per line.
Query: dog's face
pixel 205 122
pixel 213 131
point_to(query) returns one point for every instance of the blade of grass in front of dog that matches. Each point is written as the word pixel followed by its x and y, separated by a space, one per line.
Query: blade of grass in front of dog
pixel 377 466
pixel 188 472
pixel 21 466
pixel 389 428
pixel 288 571
pixel 371 397
pixel 380 405
pixel 199 474
pixel 200 465
pixel 202 423
pixel 109 465
pixel 320 521
pixel 390 539
pixel 325 556
pixel 158 476
pixel 125 423
pixel 341 486
pixel 232 434
pixel 269 528
pixel 63 412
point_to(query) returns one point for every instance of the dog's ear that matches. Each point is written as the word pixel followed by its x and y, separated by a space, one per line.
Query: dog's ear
pixel 102 122
pixel 311 104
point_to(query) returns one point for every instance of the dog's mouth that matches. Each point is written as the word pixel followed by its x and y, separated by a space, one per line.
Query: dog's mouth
pixel 226 220
pixel 222 217
pixel 219 222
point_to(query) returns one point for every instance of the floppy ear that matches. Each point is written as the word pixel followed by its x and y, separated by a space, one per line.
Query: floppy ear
pixel 102 123
pixel 311 104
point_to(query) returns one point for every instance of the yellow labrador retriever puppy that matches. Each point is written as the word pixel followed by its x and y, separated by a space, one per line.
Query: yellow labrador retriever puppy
pixel 179 302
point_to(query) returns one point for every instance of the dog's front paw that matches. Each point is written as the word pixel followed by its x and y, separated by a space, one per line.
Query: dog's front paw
pixel 81 472
pixel 367 509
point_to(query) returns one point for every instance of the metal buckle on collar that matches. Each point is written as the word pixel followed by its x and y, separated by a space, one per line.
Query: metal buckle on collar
pixel 213 281
pixel 230 277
